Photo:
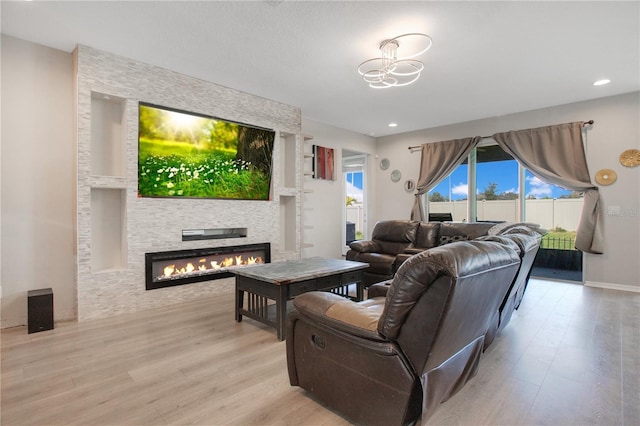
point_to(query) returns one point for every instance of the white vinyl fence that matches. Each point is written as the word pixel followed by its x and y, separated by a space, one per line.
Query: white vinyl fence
pixel 355 214
pixel 548 213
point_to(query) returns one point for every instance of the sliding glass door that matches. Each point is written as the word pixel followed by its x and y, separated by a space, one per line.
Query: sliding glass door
pixel 491 186
pixel 355 191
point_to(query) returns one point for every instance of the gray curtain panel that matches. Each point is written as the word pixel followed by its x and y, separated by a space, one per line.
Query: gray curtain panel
pixel 556 154
pixel 437 162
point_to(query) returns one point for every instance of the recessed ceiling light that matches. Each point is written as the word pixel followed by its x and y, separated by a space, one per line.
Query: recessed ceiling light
pixel 602 82
pixel 393 124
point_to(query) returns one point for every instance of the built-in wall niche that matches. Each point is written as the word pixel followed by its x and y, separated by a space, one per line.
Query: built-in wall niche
pixel 308 157
pixel 108 135
pixel 213 233
pixel 108 229
pixel 288 159
pixel 288 223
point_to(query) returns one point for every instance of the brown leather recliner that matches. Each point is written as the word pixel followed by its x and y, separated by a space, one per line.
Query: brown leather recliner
pixel 528 241
pixel 394 360
pixel 433 234
pixel 389 238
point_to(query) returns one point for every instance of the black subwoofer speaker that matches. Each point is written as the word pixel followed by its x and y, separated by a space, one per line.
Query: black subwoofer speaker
pixel 40 310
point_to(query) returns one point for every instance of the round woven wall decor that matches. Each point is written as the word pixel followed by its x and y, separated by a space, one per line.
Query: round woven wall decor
pixel 606 177
pixel 630 158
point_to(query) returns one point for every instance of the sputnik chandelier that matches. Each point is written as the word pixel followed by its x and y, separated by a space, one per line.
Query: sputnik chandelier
pixel 396 65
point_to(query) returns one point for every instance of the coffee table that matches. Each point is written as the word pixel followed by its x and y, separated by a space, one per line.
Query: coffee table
pixel 282 281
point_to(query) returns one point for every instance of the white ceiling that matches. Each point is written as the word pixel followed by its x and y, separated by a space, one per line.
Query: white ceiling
pixel 487 59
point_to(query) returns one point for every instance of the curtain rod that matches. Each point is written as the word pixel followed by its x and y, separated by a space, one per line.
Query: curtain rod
pixel 586 123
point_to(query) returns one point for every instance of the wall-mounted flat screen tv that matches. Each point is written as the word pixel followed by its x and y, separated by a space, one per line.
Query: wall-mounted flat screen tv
pixel 190 155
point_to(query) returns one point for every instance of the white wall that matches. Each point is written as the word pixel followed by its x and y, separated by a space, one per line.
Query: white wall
pixel 616 129
pixel 38 174
pixel 323 208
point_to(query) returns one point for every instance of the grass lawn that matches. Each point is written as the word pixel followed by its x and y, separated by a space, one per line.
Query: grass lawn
pixel 559 239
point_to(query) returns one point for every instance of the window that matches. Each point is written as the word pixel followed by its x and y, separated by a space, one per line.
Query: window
pixel 492 186
pixel 500 189
pixel 497 185
pixel 451 195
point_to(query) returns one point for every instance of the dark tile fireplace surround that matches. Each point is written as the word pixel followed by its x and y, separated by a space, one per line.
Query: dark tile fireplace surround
pixel 178 267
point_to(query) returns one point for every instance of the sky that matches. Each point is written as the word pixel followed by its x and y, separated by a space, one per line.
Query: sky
pixel 354 185
pixel 503 173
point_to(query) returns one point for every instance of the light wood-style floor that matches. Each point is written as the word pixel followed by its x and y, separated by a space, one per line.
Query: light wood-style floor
pixel 570 356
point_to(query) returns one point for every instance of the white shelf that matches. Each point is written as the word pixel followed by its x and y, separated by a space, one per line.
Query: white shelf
pixel 288 192
pixel 308 158
pixel 115 182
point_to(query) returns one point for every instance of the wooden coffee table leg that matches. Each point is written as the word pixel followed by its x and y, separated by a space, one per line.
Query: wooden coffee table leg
pixel 281 313
pixel 239 302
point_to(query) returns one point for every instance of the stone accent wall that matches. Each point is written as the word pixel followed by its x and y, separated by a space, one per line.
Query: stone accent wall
pixel 155 224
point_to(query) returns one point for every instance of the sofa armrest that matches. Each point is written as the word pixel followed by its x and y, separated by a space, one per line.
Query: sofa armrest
pixel 331 310
pixel 366 246
pixel 414 250
pixel 402 257
pixel 379 289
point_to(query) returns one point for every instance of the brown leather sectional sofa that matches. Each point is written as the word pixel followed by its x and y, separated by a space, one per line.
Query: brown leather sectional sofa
pixel 394 241
pixel 394 359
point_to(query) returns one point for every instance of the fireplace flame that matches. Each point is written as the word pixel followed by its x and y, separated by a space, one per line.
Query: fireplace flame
pixel 205 266
pixel 168 270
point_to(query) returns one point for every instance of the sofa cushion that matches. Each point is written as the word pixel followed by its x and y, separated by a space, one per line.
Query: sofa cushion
pixel 378 290
pixel 392 248
pixel 365 314
pixel 379 263
pixel 470 230
pixel 393 236
pixel 365 246
pixel 447 239
pixel 502 228
pixel 397 231
pixel 427 235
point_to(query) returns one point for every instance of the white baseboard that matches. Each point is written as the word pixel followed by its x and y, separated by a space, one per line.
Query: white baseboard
pixel 13 322
pixel 62 316
pixel 610 286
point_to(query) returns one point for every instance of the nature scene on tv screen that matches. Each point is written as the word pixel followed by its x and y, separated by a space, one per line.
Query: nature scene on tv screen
pixel 187 155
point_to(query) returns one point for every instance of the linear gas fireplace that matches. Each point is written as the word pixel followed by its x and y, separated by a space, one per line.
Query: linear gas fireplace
pixel 170 268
